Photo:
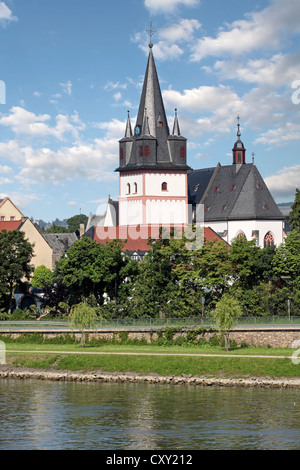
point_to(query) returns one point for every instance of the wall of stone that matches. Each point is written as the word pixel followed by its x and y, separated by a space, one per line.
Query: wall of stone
pixel 270 336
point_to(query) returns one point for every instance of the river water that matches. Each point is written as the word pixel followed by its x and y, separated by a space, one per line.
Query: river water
pixel 45 415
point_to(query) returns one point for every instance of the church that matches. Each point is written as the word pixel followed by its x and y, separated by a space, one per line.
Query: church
pixel 158 188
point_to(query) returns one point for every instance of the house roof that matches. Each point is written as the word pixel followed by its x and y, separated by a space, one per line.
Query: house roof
pixel 60 242
pixel 136 237
pixel 11 225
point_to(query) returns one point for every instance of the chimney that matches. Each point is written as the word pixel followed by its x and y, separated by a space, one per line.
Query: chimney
pixel 81 230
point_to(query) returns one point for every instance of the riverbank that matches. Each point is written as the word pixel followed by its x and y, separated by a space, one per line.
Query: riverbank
pixel 23 373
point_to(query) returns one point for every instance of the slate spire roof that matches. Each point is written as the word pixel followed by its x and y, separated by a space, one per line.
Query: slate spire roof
pixel 151 128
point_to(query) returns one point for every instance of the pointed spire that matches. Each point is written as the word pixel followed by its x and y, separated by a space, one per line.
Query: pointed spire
pixel 146 128
pixel 128 132
pixel 176 130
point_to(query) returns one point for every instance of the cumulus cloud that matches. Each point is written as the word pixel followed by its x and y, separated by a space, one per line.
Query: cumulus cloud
pixel 280 136
pixel 26 122
pixel 6 14
pixel 169 5
pixel 284 182
pixel 259 31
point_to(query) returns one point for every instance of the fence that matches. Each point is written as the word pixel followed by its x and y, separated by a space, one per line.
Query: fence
pixel 151 323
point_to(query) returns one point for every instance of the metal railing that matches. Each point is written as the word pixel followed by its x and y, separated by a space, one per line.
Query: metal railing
pixel 192 322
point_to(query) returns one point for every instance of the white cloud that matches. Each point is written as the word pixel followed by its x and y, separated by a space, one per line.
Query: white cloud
pixel 169 5
pixel 22 121
pixel 284 182
pixel 202 99
pixel 181 31
pixel 115 85
pixel 260 31
pixel 276 71
pixel 67 87
pixel 6 14
pixel 280 136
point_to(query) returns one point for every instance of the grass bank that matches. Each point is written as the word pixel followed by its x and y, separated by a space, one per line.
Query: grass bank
pixel 162 357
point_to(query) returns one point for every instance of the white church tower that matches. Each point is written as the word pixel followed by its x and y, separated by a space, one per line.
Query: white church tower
pixel 152 163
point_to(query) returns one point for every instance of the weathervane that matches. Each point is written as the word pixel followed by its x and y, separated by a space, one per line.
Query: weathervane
pixel 150 32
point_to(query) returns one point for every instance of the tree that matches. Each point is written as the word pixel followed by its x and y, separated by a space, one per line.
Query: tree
pixel 83 317
pixel 244 255
pixel 75 222
pixel 15 256
pixel 42 277
pixel 157 284
pixel 295 212
pixel 226 313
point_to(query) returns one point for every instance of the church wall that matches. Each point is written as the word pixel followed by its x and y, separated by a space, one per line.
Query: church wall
pixel 131 179
pixel 166 211
pixel 260 226
pixel 176 184
pixel 130 212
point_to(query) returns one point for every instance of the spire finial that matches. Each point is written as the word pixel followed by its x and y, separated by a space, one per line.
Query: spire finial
pixel 150 32
pixel 238 132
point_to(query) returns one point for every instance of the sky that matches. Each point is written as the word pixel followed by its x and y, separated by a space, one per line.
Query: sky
pixel 71 69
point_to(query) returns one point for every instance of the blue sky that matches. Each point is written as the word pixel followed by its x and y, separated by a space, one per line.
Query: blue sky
pixel 72 69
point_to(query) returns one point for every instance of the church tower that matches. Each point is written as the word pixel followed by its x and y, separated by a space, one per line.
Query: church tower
pixel 152 162
pixel 239 151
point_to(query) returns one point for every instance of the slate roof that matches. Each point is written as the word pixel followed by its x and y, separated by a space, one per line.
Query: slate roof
pixel 60 242
pixel 234 192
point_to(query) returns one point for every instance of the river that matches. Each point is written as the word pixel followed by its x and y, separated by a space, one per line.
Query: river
pixel 45 415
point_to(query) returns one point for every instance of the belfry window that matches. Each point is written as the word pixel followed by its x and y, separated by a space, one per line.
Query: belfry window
pixel 134 188
pixel 141 152
pixel 182 151
pixel 164 186
pixel 147 151
pixel 121 154
pixel 128 188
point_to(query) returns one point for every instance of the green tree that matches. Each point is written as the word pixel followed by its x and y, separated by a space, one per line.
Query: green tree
pixel 295 212
pixel 226 314
pixel 244 255
pixel 83 317
pixel 42 277
pixel 157 282
pixel 15 256
pixel 75 222
pixel 286 261
pixel 56 229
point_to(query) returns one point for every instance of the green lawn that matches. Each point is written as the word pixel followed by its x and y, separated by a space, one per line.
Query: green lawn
pixel 176 360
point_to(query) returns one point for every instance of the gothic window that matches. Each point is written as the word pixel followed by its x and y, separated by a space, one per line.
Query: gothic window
pixel 164 187
pixel 147 151
pixel 241 234
pixel 121 154
pixel 182 151
pixel 141 151
pixel 128 188
pixel 134 188
pixel 269 240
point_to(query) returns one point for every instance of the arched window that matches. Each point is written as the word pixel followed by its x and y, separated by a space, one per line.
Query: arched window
pixel 141 153
pixel 164 187
pixel 239 158
pixel 241 234
pixel 182 151
pixel 134 188
pixel 128 188
pixel 269 240
pixel 147 151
